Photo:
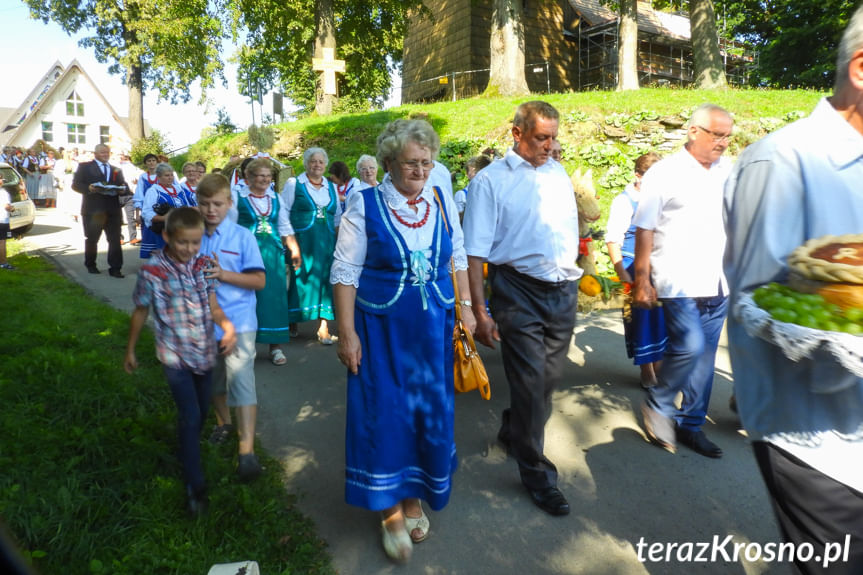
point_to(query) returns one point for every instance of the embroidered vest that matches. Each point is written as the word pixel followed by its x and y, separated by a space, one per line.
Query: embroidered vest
pixel 305 212
pixel 389 269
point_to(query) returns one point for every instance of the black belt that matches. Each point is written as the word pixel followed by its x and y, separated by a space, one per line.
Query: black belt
pixel 541 284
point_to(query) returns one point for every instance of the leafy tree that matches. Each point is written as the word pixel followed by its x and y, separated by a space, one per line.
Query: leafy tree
pixel 223 123
pixel 155 143
pixel 163 45
pixel 627 46
pixel 280 41
pixel 506 76
pixel 709 67
pixel 796 39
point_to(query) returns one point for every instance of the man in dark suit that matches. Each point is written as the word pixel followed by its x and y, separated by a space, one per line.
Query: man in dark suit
pixel 100 208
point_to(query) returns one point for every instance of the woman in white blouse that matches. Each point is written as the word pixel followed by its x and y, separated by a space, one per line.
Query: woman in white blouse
pixel 367 169
pixel 314 209
pixel 395 305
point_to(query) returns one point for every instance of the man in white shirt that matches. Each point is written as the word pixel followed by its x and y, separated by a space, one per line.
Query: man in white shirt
pixel 522 220
pixel 804 417
pixel 679 245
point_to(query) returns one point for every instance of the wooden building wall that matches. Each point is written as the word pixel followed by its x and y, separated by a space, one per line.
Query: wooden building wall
pixel 457 41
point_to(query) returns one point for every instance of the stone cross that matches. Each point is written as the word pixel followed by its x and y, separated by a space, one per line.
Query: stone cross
pixel 329 66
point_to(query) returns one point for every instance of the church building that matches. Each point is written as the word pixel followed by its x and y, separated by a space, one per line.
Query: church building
pixel 570 45
pixel 65 109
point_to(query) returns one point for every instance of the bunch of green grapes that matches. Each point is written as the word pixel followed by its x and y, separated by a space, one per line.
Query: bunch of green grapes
pixel 806 309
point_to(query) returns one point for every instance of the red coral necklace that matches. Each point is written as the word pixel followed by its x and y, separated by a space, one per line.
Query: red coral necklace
pixel 414 225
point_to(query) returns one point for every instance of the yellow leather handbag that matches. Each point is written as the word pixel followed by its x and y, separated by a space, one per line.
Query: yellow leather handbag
pixel 469 371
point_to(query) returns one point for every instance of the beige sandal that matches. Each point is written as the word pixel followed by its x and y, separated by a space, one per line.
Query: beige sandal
pixel 421 523
pixel 398 545
pixel 277 356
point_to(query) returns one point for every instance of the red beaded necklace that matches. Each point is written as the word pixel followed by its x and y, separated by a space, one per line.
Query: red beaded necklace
pixel 154 180
pixel 255 206
pixel 171 191
pixel 414 225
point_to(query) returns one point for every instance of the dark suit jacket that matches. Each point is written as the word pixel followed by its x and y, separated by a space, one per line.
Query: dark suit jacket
pixel 90 173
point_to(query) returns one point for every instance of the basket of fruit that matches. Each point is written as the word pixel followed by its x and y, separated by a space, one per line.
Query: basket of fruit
pixel 821 305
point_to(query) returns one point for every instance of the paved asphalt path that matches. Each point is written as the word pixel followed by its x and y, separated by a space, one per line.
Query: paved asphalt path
pixel 622 490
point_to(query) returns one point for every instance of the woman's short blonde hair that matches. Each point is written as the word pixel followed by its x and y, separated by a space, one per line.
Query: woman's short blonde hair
pixel 307 155
pixel 397 134
pixel 257 165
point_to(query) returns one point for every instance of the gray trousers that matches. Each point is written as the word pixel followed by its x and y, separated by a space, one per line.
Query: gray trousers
pixel 536 320
pixel 129 211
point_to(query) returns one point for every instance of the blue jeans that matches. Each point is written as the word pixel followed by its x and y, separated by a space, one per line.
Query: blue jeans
pixel 191 393
pixel 693 326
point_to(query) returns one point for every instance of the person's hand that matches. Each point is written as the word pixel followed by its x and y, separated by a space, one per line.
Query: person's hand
pixel 643 295
pixel 468 319
pixel 296 259
pixel 229 339
pixel 213 271
pixel 350 350
pixel 624 276
pixel 485 331
pixel 130 363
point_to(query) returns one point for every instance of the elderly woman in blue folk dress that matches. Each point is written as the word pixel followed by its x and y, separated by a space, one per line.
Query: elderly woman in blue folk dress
pixel 395 306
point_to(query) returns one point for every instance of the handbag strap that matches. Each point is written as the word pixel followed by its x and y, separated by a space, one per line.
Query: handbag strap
pixel 451 261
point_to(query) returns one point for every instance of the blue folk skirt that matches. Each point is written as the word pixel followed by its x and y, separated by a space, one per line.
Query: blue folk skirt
pixel 644 332
pixel 399 436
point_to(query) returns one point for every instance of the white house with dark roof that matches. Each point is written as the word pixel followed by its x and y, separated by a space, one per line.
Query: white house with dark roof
pixel 65 109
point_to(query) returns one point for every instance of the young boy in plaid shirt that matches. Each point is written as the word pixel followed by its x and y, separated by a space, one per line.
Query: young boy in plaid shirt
pixel 184 308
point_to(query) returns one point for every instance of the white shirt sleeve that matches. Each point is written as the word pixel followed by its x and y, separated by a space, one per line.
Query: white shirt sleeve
pixel 289 192
pixel 460 200
pixel 150 198
pixel 480 217
pixel 284 223
pixel 619 219
pixel 649 203
pixel 352 244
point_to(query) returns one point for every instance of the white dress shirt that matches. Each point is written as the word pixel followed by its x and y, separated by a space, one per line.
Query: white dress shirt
pixel 320 196
pixel 524 217
pixel 440 176
pixel 620 215
pixel 681 202
pixel 350 254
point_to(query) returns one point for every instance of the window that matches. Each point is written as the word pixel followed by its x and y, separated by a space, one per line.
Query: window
pixel 77 133
pixel 104 134
pixel 74 105
pixel 48 131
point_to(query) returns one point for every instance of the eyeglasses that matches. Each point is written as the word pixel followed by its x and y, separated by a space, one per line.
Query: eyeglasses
pixel 717 137
pixel 413 165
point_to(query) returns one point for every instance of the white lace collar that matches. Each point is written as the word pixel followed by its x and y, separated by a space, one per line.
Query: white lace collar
pixel 246 192
pixel 396 200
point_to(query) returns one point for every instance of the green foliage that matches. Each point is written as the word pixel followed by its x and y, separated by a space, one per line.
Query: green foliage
pixel 174 42
pixel 155 143
pixel 223 123
pixel 261 137
pixel 623 120
pixel 279 44
pixel 796 40
pixel 90 480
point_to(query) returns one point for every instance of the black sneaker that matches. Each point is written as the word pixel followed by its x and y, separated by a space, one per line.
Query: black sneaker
pixel 221 433
pixel 248 467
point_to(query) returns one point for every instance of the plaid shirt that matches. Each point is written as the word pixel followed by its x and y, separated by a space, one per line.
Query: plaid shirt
pixel 179 296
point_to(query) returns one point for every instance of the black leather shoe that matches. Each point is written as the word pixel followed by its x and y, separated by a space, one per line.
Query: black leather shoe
pixel 93 269
pixel 116 274
pixel 698 442
pixel 550 500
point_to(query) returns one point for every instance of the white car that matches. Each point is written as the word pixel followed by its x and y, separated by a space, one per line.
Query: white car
pixel 21 220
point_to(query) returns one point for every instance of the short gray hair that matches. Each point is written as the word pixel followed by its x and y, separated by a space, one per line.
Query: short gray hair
pixel 163 169
pixel 366 159
pixel 526 113
pixel 851 42
pixel 398 133
pixel 307 155
pixel 701 114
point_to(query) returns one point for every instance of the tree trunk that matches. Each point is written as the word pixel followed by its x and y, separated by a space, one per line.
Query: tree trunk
pixel 325 37
pixel 135 81
pixel 627 46
pixel 709 66
pixel 507 49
